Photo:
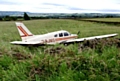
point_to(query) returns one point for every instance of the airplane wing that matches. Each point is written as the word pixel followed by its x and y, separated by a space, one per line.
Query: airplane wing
pixel 25 43
pixel 91 38
pixel 30 43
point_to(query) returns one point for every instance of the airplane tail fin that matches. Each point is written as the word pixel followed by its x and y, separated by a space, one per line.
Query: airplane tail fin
pixel 23 31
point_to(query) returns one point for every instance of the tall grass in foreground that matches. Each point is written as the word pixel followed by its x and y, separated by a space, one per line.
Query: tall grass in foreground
pixel 19 63
pixel 71 65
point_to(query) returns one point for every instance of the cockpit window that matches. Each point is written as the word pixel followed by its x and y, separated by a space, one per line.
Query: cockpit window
pixel 66 34
pixel 60 34
pixel 55 35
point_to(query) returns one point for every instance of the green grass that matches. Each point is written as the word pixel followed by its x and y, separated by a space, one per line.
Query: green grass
pixel 105 19
pixel 19 63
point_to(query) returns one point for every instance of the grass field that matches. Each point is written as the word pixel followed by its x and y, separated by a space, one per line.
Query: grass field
pixel 19 63
pixel 105 19
pixel 109 21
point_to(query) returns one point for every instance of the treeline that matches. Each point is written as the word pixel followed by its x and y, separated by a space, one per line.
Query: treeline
pixel 14 18
pixel 8 18
pixel 63 16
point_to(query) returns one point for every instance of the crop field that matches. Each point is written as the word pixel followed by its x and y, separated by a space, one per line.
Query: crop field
pixel 109 21
pixel 105 19
pixel 96 60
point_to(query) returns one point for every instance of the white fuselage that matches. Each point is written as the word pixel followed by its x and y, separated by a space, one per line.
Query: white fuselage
pixel 52 38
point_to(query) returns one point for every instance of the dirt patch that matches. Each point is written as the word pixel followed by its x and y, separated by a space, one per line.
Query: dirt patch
pixel 53 50
pixel 20 56
pixel 99 44
pixel 86 45
pixel 102 42
pixel 35 70
pixel 1 54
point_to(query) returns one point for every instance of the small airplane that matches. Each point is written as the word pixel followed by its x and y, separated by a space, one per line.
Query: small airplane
pixel 62 37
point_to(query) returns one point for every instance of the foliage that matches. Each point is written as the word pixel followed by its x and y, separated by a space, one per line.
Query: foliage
pixel 9 18
pixel 26 17
pixel 1 18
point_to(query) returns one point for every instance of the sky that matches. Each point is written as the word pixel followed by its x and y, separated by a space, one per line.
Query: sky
pixel 61 6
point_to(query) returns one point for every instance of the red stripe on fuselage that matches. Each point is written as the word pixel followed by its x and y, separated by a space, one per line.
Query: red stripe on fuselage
pixel 58 39
pixel 65 38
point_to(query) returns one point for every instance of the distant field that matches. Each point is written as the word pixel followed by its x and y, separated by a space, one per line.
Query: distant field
pixel 19 63
pixel 105 19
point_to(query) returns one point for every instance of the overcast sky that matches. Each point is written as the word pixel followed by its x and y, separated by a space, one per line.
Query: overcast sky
pixel 61 6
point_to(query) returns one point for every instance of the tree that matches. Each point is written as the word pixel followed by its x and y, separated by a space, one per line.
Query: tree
pixel 7 18
pixel 26 17
pixel 1 18
pixel 13 18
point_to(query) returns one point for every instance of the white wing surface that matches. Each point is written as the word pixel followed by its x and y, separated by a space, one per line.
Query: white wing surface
pixel 25 43
pixel 91 38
